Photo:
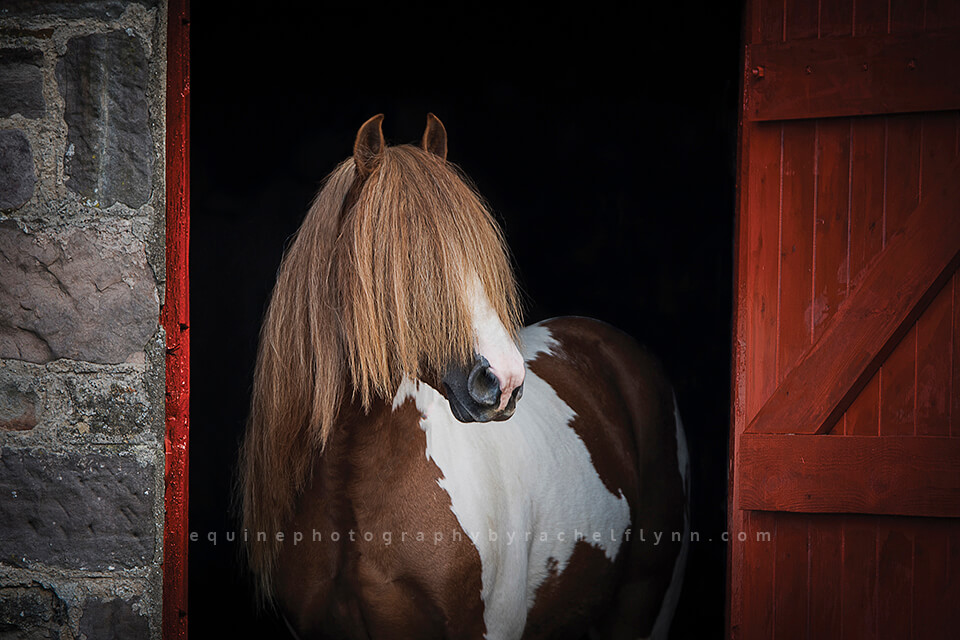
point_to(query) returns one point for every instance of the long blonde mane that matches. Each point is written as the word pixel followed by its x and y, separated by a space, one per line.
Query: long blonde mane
pixel 366 294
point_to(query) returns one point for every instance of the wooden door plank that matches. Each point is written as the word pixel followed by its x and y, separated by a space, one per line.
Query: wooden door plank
pixel 939 146
pixel 800 17
pixel 942 14
pixel 931 578
pixel 831 267
pixel 902 195
pixel 791 578
pixel 756 608
pixel 867 167
pixel 886 302
pixel 836 19
pixel 902 176
pixel 762 269
pixel 934 349
pixel 894 578
pixel 796 244
pixel 771 21
pixel 952 595
pixel 903 475
pixel 859 579
pixel 870 17
pixel 826 560
pixel 824 78
pixel 935 327
pixel 863 416
pixel 868 160
pixel 898 380
pixel 906 16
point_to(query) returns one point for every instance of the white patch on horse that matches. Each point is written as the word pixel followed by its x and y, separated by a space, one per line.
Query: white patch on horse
pixel 521 489
pixel 537 339
pixel 661 627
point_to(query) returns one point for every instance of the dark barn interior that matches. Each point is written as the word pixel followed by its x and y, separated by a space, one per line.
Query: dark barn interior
pixel 603 138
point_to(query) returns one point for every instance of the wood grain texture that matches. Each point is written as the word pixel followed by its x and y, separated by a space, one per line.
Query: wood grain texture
pixel 898 384
pixel 870 17
pixel 796 244
pixel 941 14
pixel 801 19
pixel 906 16
pixel 934 375
pixel 762 265
pixel 858 578
pixel 826 560
pixel 831 262
pixel 791 577
pixel 880 74
pixel 868 144
pixel 863 416
pixel 931 577
pixel 902 176
pixel 754 617
pixel 770 25
pixel 887 300
pixel 901 475
pixel 836 19
pixel 894 578
pixel 867 167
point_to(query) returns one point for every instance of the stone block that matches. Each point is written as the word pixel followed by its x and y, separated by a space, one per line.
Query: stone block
pixel 87 295
pixel 21 83
pixel 17 174
pixel 103 79
pixel 76 511
pixel 108 9
pixel 18 404
pixel 108 406
pixel 31 613
pixel 113 619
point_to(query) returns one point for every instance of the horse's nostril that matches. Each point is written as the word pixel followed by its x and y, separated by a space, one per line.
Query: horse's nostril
pixel 482 385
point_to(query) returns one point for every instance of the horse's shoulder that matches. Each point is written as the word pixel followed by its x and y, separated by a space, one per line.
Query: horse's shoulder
pixel 570 337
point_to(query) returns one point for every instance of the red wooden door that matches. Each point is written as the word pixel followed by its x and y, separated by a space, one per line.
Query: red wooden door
pixel 846 418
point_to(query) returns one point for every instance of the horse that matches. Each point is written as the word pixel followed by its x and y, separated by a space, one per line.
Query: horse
pixel 416 465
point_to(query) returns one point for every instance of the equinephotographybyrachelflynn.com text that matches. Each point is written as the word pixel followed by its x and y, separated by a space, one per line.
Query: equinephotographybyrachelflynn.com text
pixel 489 536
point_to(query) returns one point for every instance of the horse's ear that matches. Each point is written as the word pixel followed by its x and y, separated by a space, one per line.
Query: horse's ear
pixel 368 149
pixel 435 137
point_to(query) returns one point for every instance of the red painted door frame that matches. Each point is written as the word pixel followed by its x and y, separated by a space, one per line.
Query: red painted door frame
pixel 175 317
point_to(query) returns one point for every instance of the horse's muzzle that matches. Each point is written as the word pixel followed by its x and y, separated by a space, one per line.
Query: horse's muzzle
pixel 474 393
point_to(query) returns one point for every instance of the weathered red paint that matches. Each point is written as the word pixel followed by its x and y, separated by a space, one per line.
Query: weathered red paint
pixel 175 317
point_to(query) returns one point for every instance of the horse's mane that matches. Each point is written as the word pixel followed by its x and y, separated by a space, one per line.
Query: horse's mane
pixel 372 289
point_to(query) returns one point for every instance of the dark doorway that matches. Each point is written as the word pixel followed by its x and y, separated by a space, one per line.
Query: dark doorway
pixel 604 141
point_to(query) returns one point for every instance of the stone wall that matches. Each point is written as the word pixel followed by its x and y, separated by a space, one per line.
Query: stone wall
pixel 81 348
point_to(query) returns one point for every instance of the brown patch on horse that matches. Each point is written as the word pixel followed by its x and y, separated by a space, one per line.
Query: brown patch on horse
pixel 372 289
pixel 612 381
pixel 366 588
pixel 566 602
